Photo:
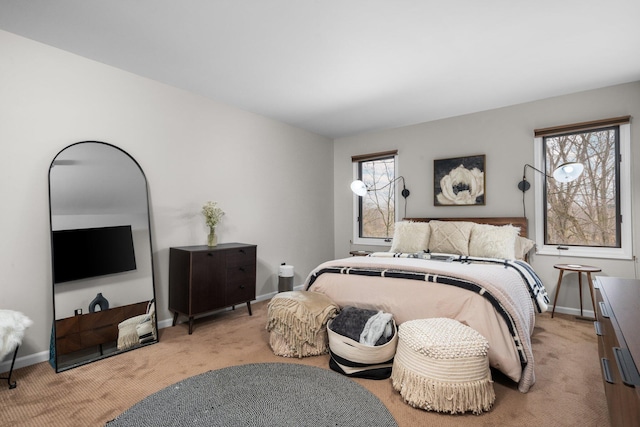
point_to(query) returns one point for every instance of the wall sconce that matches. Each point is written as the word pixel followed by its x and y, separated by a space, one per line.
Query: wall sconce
pixel 566 172
pixel 360 189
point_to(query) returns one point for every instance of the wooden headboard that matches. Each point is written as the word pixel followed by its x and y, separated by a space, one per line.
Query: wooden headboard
pixel 516 221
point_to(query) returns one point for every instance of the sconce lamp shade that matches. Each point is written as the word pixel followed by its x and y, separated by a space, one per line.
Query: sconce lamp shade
pixel 359 188
pixel 568 172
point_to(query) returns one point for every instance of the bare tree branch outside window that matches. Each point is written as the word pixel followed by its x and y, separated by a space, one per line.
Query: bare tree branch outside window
pixel 378 205
pixel 584 212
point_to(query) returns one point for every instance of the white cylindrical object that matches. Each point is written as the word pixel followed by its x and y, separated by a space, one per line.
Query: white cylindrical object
pixel 286 271
pixel 285 278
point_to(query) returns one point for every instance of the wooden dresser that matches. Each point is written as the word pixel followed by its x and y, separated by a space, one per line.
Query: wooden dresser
pixel 93 329
pixel 203 279
pixel 618 329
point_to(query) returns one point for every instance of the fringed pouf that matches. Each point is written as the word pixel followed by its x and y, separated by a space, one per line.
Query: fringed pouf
pixel 442 365
pixel 297 322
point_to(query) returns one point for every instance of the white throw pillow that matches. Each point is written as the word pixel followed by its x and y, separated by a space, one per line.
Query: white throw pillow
pixel 491 241
pixel 410 237
pixel 523 246
pixel 450 237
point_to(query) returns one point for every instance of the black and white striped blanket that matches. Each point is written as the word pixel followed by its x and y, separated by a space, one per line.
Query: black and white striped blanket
pixel 536 288
pixel 507 296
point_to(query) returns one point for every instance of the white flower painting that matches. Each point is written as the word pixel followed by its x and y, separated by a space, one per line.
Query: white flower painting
pixel 459 181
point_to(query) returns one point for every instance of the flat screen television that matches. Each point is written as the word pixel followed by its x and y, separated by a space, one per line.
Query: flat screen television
pixel 91 252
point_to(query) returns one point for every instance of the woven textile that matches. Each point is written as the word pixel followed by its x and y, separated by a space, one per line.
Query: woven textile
pixel 297 323
pixel 260 395
pixel 351 358
pixel 450 237
pixel 442 365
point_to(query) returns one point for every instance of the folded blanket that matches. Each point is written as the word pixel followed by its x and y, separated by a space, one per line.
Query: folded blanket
pixel 368 327
pixel 378 326
pixel 299 316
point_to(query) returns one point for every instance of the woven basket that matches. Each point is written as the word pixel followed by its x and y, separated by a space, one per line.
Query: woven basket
pixel 351 358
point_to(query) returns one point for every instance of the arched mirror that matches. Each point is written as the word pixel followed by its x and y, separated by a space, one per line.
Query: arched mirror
pixel 101 255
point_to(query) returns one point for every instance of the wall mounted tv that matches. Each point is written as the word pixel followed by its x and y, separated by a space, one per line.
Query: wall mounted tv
pixel 90 252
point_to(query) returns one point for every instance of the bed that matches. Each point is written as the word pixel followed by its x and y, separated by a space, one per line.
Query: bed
pixel 473 270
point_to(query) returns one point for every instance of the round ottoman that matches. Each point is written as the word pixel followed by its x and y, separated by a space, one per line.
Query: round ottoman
pixel 442 365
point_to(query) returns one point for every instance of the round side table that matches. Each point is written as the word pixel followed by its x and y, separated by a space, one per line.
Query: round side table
pixel 578 268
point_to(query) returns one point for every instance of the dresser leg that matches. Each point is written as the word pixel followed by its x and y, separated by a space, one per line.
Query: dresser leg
pixel 190 325
pixel 175 318
pixel 249 307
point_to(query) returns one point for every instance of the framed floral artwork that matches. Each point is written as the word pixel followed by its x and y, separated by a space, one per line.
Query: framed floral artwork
pixel 459 181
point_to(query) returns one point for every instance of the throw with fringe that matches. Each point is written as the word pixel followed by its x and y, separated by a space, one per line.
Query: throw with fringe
pixel 297 322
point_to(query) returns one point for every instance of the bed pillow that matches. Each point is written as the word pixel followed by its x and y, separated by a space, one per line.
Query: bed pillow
pixel 523 246
pixel 450 237
pixel 491 241
pixel 410 237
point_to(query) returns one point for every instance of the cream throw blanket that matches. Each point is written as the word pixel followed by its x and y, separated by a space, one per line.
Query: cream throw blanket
pixel 298 316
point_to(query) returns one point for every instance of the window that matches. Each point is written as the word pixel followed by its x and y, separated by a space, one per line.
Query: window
pixel 375 212
pixel 589 217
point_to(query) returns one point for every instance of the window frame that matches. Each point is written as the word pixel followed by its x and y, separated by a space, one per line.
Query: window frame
pixel 625 251
pixel 357 201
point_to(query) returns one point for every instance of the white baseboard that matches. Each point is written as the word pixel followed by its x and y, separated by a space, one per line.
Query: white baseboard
pixel 573 311
pixel 43 356
pixel 23 361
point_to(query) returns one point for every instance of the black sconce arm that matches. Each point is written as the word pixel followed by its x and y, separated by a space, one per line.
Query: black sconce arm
pixel 524 184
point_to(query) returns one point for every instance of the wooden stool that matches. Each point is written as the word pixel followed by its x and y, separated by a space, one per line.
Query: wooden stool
pixel 579 269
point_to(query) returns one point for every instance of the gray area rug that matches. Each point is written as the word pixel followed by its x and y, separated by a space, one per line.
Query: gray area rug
pixel 260 394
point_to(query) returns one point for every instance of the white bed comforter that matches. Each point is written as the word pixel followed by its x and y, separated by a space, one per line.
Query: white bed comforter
pixel 494 300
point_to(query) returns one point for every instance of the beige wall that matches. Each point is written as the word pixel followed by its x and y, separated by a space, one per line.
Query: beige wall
pixel 273 181
pixel 506 137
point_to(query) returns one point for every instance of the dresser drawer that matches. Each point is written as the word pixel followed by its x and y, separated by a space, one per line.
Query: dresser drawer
pixel 239 292
pixel 241 284
pixel 241 256
pixel 617 312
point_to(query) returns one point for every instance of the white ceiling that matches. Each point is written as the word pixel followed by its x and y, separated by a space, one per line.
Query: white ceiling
pixel 342 67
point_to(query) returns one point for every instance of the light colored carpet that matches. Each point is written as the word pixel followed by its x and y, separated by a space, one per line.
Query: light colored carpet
pixel 568 389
